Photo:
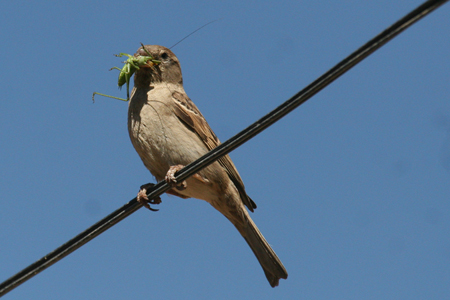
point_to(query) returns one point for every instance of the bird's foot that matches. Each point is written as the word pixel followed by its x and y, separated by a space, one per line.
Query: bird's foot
pixel 170 177
pixel 143 199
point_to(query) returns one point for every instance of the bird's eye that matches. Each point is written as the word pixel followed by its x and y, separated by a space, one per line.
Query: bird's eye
pixel 164 55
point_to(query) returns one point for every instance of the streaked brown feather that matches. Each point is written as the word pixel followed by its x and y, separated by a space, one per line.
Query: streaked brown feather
pixel 187 112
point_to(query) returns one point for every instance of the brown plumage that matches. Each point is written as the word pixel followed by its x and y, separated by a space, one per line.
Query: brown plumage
pixel 167 130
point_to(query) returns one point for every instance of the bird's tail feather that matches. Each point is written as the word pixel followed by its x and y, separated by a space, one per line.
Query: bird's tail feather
pixel 271 264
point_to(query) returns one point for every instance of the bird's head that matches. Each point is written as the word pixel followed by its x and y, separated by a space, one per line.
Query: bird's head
pixel 168 70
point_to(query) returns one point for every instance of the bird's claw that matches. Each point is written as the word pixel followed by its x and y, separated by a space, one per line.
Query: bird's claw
pixel 143 198
pixel 170 177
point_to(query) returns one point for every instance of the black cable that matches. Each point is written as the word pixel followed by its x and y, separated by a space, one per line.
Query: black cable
pixel 226 147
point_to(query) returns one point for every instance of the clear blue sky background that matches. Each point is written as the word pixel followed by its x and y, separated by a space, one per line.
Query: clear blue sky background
pixel 352 188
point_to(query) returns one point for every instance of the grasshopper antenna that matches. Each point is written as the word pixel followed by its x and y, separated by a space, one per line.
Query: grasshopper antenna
pixel 194 32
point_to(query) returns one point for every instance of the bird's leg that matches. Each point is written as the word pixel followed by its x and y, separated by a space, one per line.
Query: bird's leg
pixel 170 177
pixel 143 199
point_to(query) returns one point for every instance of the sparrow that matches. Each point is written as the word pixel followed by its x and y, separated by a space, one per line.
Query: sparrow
pixel 168 132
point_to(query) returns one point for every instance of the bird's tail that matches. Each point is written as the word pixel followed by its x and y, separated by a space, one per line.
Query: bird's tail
pixel 271 264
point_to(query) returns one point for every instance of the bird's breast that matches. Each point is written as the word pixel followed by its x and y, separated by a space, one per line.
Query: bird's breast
pixel 157 134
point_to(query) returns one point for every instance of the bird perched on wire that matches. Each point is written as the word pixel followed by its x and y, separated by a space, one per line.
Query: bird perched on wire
pixel 168 131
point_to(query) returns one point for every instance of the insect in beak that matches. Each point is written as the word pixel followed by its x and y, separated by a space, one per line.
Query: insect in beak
pixel 151 63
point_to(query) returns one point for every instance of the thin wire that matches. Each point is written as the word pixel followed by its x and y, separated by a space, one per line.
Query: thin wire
pixel 224 148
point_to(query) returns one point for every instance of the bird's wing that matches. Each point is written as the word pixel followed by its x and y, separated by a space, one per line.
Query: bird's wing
pixel 189 114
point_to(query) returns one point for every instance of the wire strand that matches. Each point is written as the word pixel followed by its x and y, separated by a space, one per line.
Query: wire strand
pixel 223 149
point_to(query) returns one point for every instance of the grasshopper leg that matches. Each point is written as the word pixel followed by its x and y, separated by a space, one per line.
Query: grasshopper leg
pixel 115 68
pixel 123 54
pixel 95 93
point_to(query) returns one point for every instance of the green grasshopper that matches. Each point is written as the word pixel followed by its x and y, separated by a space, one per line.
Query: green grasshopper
pixel 132 64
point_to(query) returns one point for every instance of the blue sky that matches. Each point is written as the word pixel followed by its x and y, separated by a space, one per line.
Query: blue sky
pixel 352 188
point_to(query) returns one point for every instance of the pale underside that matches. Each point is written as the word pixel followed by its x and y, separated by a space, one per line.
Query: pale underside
pixel 162 141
